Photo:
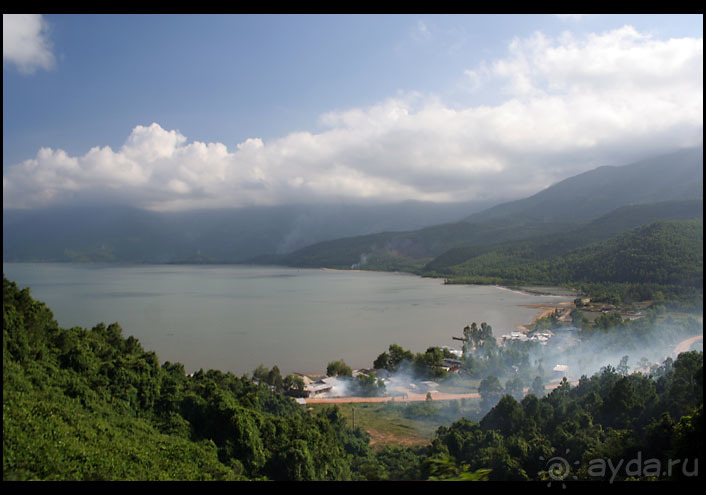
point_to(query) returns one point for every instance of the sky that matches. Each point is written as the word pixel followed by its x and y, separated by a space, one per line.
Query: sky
pixel 172 112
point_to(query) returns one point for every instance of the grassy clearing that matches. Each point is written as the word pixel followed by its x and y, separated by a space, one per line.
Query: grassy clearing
pixel 403 424
pixel 385 423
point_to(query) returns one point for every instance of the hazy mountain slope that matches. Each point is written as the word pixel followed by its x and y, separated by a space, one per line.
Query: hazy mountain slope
pixel 566 206
pixel 676 176
pixel 372 250
pixel 116 233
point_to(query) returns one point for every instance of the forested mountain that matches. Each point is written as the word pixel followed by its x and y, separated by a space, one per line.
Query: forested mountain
pixel 584 209
pixel 603 228
pixel 657 248
pixel 661 259
pixel 426 250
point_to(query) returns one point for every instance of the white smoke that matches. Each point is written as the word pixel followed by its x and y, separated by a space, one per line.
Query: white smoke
pixel 362 261
pixel 586 358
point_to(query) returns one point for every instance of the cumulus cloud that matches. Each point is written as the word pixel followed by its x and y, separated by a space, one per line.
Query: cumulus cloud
pixel 570 104
pixel 25 44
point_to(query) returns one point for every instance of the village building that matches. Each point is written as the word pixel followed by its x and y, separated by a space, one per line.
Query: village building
pixel 560 370
pixel 515 336
pixel 313 388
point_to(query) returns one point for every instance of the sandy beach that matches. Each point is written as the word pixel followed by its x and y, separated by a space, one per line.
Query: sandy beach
pixel 544 311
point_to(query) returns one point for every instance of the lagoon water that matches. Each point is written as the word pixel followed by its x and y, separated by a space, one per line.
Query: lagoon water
pixel 233 318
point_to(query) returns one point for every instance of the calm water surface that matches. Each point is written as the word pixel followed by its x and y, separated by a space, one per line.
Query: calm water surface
pixel 233 318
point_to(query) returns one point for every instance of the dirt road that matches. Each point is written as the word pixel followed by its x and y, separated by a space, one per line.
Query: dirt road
pixel 685 345
pixel 398 398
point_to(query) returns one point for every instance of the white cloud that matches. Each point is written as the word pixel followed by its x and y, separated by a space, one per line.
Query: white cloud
pixel 571 104
pixel 25 44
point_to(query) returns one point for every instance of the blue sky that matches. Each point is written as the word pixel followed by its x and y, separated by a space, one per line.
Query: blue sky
pixel 187 111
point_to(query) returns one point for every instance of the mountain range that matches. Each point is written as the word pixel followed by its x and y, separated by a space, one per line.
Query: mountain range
pixel 115 233
pixel 580 210
pixel 414 236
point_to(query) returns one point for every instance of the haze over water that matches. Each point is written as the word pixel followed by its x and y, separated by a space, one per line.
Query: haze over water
pixel 233 318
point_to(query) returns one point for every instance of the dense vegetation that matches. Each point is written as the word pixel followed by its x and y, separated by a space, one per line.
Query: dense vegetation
pixel 636 423
pixel 662 259
pixel 93 405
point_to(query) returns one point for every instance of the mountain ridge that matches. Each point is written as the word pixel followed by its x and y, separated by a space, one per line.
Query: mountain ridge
pixel 566 206
pixel 676 176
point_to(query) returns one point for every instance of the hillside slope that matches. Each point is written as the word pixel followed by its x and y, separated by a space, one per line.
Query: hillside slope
pixel 642 192
pixel 675 176
pixel 543 247
pixel 666 253
pixel 93 405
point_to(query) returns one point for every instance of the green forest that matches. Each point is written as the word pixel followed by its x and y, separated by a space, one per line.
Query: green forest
pixel 82 404
pixel 666 253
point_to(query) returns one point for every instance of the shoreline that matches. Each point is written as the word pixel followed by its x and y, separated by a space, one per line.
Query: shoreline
pixel 542 309
pixel 545 311
pixel 536 291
